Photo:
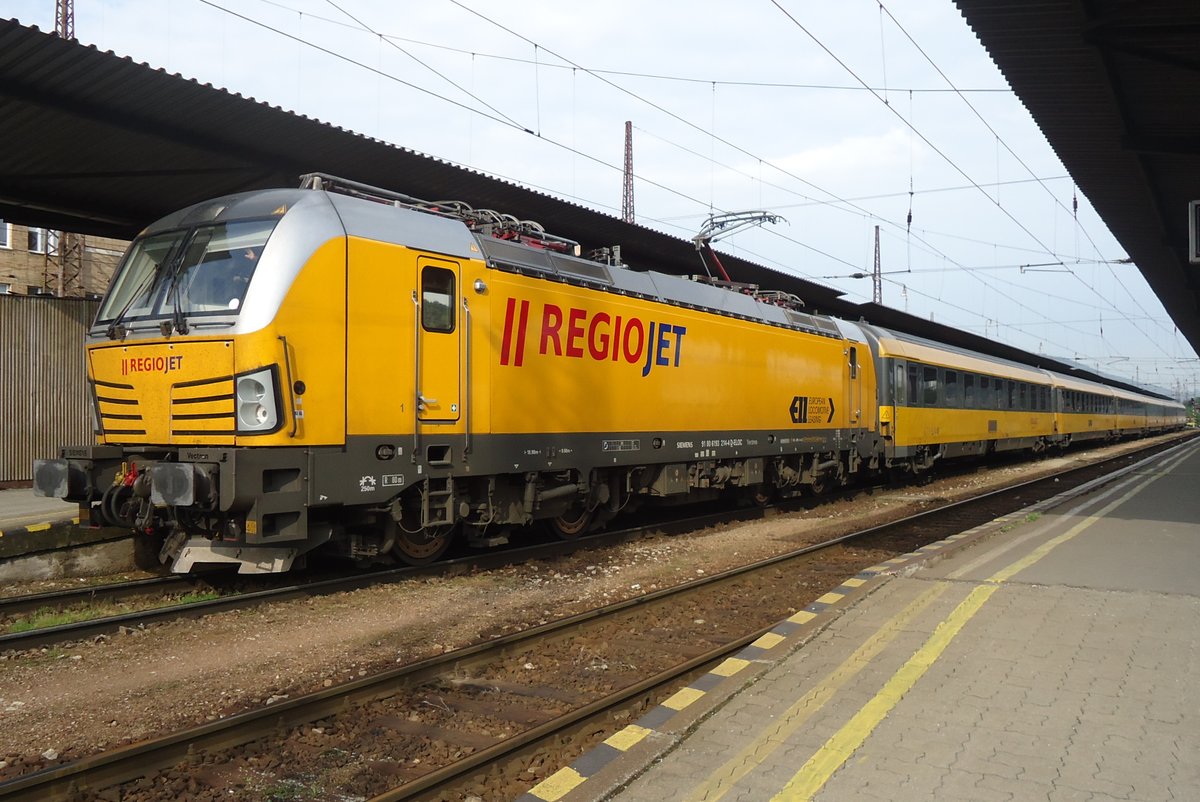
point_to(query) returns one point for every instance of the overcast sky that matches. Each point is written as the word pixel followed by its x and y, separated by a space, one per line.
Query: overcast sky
pixel 825 113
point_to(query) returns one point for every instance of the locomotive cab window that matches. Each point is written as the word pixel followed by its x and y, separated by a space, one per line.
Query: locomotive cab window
pixel 188 272
pixel 437 299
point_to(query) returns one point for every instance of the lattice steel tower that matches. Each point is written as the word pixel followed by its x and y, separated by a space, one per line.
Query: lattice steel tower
pixel 627 197
pixel 877 275
pixel 64 18
pixel 64 268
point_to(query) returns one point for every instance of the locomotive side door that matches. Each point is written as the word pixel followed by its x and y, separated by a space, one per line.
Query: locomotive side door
pixel 853 387
pixel 438 352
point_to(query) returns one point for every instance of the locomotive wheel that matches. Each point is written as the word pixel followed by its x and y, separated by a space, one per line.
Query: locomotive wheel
pixel 573 523
pixel 763 495
pixel 423 546
pixel 820 485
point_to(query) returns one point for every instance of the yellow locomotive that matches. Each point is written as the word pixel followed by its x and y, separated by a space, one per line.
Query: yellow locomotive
pixel 343 368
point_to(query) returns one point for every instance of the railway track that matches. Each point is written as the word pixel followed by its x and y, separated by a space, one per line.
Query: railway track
pixel 282 588
pixel 480 720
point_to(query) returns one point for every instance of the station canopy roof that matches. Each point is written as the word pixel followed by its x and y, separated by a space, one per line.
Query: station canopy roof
pixel 99 144
pixel 1115 87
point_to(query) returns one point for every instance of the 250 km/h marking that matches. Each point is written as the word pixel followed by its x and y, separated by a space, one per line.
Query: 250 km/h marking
pixel 811 409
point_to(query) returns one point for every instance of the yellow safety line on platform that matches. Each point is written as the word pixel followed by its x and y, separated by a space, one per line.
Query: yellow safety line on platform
pixel 558 784
pixel 40 526
pixel 838 749
pixel 745 761
pixel 994 554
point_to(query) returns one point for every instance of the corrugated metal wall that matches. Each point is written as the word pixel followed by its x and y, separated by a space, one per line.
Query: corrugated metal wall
pixel 43 380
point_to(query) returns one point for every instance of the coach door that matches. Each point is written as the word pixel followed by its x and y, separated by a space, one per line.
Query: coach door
pixel 438 329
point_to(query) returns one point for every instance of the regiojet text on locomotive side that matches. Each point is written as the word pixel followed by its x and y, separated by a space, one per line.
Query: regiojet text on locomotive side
pixel 343 370
pixel 605 337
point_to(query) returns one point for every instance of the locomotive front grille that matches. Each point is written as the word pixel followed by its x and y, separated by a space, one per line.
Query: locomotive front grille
pixel 118 409
pixel 164 393
pixel 203 409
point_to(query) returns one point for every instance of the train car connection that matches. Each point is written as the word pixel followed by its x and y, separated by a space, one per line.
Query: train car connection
pixel 346 369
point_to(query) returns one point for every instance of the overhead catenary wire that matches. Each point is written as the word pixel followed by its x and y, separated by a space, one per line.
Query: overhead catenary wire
pixel 363 26
pixel 712 135
pixel 1001 142
pixel 502 121
pixel 935 149
pixel 837 201
pixel 649 75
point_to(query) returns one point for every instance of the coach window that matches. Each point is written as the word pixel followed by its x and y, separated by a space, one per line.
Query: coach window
pixel 953 392
pixel 437 299
pixel 914 384
pixel 986 400
pixel 969 390
pixel 929 387
pixel 899 396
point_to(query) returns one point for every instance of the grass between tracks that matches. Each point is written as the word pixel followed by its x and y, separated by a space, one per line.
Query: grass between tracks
pixel 47 617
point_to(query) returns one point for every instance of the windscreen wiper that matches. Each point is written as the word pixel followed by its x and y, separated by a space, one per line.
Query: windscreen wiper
pixel 178 320
pixel 116 329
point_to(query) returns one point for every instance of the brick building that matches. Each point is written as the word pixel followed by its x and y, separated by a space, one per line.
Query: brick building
pixel 39 261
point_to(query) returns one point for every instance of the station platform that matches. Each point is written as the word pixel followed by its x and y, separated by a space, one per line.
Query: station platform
pixel 21 509
pixel 40 538
pixel 1050 655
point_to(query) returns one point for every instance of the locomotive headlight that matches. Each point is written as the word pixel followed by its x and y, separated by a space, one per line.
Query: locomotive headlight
pixel 257 409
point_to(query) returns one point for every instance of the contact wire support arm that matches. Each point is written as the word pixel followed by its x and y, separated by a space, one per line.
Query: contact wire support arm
pixel 724 224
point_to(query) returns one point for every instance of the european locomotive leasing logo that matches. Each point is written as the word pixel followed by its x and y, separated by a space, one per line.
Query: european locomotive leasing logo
pixel 602 337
